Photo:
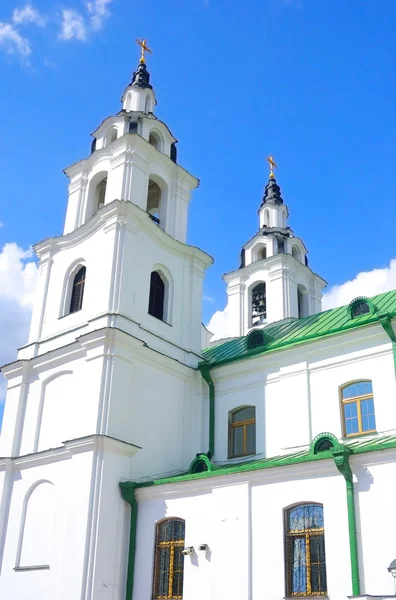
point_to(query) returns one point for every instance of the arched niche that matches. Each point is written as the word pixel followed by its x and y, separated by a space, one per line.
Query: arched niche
pixel 55 415
pixel 266 217
pixel 296 252
pixel 111 136
pixel 148 104
pixel 155 139
pixel 36 538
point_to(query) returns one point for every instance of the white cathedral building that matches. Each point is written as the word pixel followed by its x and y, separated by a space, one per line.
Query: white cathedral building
pixel 141 462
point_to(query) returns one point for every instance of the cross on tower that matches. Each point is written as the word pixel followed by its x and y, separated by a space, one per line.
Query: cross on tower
pixel 272 165
pixel 145 48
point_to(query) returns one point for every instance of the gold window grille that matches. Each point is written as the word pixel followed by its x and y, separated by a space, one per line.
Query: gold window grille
pixel 305 551
pixel 169 560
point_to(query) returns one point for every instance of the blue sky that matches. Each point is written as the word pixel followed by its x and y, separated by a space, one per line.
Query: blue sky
pixel 311 82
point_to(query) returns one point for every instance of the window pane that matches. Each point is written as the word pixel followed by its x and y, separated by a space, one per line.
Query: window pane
pixel 318 564
pixel 251 438
pixel 162 572
pixel 364 387
pixel 368 416
pixel 237 446
pixel 351 418
pixel 244 414
pixel 350 391
pixel 298 566
pixel 305 517
pixel 177 582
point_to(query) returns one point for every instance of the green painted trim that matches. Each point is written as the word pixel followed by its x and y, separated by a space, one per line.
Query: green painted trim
pixel 341 459
pixel 128 493
pixel 355 301
pixel 202 458
pixel 387 326
pixel 204 369
pixel 355 446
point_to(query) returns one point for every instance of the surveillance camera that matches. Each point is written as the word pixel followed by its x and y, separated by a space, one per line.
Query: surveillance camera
pixel 188 550
pixel 203 547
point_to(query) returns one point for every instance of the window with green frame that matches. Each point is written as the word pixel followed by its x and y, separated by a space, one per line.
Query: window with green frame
pixel 169 560
pixel 305 551
pixel 358 408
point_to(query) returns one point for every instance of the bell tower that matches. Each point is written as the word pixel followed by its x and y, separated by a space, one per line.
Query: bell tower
pixel 104 389
pixel 274 281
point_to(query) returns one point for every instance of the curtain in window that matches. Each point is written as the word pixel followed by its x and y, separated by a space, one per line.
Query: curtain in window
pixel 305 551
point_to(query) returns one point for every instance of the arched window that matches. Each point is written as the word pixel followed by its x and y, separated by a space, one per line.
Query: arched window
pixel 259 304
pixel 77 292
pixel 153 199
pixel 255 339
pixel 242 432
pixel 100 193
pixel 266 217
pixel 169 560
pixel 263 253
pixel 360 308
pixel 305 551
pixel 157 296
pixel 358 408
pixel 302 301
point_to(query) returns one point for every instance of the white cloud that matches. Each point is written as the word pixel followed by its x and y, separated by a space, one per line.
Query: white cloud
pixel 73 25
pixel 99 12
pixel 18 275
pixel 13 42
pixel 28 14
pixel 366 283
pixel 218 324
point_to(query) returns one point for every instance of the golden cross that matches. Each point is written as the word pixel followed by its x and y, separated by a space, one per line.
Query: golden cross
pixel 272 165
pixel 145 48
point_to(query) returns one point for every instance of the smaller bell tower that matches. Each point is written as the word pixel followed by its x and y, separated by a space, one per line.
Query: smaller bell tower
pixel 274 281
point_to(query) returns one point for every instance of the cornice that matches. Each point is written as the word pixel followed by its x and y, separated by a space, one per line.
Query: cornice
pixel 120 211
pixel 69 448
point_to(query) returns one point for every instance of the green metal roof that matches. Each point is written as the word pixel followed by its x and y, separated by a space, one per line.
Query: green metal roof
pixel 359 446
pixel 299 331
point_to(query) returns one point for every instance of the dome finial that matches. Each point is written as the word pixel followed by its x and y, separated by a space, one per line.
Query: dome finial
pixel 145 48
pixel 272 165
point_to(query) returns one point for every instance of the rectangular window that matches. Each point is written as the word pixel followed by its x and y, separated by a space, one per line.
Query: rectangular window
pixel 242 432
pixel 305 551
pixel 358 408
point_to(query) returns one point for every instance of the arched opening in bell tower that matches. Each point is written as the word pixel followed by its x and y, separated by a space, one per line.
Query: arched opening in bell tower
pixel 96 193
pixel 258 305
pixel 155 140
pixel 296 253
pixel 302 301
pixel 156 198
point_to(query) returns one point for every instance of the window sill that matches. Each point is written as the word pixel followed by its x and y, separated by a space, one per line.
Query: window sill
pixel 240 457
pixel 363 434
pixel 35 568
pixel 160 320
pixel 70 313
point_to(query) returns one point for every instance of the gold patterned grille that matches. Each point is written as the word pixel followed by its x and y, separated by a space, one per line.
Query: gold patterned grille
pixel 169 560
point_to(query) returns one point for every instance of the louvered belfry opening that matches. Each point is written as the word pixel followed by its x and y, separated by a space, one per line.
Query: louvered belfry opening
pixel 157 296
pixel 77 294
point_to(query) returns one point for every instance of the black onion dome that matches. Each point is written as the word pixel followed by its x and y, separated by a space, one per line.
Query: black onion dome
pixel 272 193
pixel 141 77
